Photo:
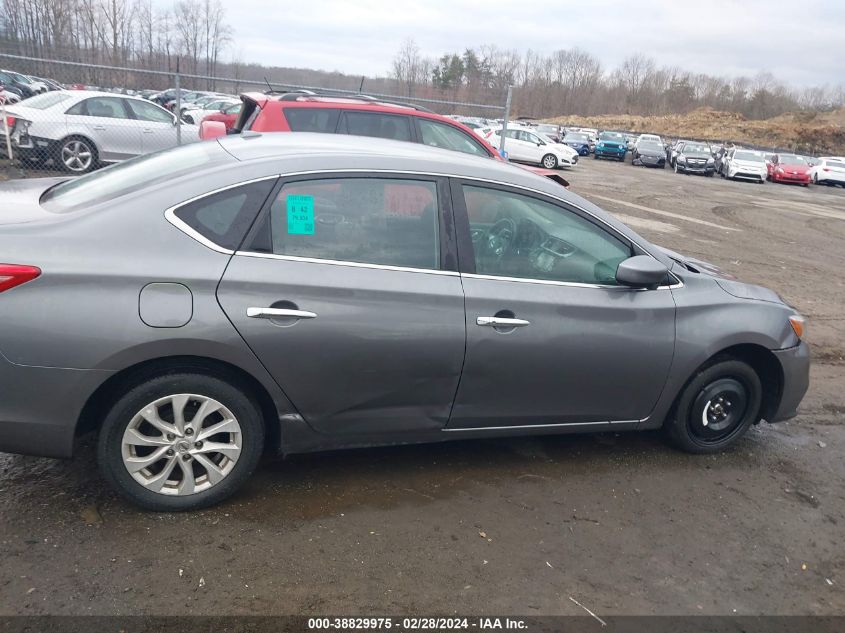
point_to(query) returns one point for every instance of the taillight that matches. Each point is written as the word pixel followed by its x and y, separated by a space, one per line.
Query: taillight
pixel 825 168
pixel 10 122
pixel 12 275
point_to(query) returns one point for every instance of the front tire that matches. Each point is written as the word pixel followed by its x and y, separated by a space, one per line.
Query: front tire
pixel 716 407
pixel 180 442
pixel 549 161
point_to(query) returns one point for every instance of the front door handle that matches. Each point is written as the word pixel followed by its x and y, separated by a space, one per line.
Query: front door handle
pixel 99 128
pixel 279 313
pixel 494 321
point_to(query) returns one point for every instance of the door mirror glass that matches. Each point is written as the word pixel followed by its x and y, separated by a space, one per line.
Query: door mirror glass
pixel 641 271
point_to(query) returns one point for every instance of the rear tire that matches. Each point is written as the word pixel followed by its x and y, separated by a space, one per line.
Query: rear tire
pixel 716 407
pixel 76 154
pixel 181 469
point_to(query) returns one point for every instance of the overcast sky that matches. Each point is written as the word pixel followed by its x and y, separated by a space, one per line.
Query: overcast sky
pixel 799 41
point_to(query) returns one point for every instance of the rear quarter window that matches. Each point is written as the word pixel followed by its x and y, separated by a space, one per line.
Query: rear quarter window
pixel 391 126
pixel 224 217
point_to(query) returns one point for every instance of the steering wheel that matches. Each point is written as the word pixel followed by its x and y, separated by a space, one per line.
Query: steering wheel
pixel 500 237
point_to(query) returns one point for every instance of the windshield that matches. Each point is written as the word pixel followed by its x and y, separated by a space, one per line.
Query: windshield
pixel 791 159
pixel 650 146
pixel 547 129
pixel 575 136
pixel 690 148
pixel 748 156
pixel 19 77
pixel 131 175
pixel 611 136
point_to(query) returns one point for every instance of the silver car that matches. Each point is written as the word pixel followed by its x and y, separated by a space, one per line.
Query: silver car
pixel 78 130
pixel 301 292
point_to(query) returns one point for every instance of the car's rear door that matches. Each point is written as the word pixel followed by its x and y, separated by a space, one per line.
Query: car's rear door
pixel 551 338
pixel 347 290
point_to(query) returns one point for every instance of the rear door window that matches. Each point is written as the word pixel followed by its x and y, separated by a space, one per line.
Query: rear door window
pixel 312 119
pixel 392 126
pixel 379 221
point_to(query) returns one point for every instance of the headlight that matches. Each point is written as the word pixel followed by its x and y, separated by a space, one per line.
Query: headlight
pixel 779 170
pixel 682 158
pixel 710 160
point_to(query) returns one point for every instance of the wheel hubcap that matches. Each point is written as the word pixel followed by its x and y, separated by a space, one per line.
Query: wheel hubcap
pixel 76 155
pixel 181 444
pixel 719 410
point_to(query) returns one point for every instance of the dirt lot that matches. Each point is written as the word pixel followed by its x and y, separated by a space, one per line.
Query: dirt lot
pixel 621 523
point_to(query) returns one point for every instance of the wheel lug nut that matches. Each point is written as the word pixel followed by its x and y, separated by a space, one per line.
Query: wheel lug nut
pixel 186 457
pixel 170 452
pixel 189 431
pixel 171 437
pixel 198 445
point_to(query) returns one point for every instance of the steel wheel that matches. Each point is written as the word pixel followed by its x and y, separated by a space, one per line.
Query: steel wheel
pixel 718 410
pixel 181 444
pixel 77 155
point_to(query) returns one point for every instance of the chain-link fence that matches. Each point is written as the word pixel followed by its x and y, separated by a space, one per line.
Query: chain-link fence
pixel 54 120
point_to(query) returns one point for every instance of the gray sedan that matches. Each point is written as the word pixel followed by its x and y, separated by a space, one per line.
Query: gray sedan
pixel 298 292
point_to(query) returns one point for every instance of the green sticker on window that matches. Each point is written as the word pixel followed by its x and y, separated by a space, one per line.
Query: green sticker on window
pixel 300 215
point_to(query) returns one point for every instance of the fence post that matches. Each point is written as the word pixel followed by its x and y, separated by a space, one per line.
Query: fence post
pixel 505 121
pixel 8 132
pixel 178 106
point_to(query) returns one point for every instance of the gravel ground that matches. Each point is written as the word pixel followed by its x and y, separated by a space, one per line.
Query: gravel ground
pixel 621 523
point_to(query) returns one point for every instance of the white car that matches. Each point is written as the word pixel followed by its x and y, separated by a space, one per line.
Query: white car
pixel 80 129
pixel 524 145
pixel 829 171
pixel 196 115
pixel 744 164
pixel 654 138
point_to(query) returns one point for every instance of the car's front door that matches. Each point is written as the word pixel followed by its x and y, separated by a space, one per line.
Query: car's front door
pixel 348 292
pixel 158 126
pixel 551 337
pixel 535 148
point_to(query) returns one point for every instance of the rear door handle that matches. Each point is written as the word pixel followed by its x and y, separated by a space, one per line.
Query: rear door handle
pixel 493 321
pixel 99 128
pixel 279 313
pixel 147 130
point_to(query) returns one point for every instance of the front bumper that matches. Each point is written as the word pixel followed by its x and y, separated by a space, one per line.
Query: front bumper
pixel 803 179
pixel 795 365
pixel 652 161
pixel 696 168
pixel 40 407
pixel 615 152
pixel 747 175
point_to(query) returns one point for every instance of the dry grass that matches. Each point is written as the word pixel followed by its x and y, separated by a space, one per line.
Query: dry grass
pixel 812 132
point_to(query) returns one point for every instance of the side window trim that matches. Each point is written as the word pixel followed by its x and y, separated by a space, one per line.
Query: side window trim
pixel 446 230
pixel 170 214
pixel 466 257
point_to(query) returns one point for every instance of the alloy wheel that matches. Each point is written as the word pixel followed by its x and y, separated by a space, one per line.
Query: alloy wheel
pixel 76 155
pixel 549 161
pixel 181 444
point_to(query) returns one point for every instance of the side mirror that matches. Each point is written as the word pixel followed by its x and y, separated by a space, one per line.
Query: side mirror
pixel 641 271
pixel 212 129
